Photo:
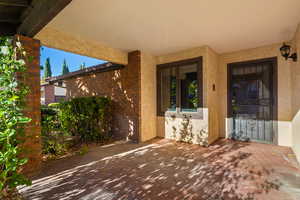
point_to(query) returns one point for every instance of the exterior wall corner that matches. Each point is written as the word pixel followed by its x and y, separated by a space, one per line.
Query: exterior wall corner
pixel 148 97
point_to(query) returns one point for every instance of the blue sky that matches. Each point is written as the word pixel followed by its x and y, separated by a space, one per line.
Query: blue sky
pixel 73 60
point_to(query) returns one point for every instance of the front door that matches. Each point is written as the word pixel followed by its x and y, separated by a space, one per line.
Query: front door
pixel 252 100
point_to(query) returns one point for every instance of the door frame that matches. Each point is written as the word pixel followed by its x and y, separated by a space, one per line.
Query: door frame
pixel 273 61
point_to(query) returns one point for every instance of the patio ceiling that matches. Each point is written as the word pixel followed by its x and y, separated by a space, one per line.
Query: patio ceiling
pixel 27 17
pixel 160 27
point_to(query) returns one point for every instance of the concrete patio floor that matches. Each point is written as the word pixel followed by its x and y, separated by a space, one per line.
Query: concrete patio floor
pixel 163 169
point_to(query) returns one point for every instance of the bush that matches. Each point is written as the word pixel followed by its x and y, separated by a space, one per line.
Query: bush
pixel 86 118
pixel 89 118
pixel 53 105
pixel 52 134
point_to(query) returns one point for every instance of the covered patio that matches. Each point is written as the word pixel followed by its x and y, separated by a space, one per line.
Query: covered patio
pixel 185 67
pixel 163 169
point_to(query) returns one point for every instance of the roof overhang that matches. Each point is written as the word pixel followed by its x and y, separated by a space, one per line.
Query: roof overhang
pixel 161 27
pixel 28 17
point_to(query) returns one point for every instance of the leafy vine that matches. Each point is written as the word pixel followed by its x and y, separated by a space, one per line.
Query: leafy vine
pixel 12 119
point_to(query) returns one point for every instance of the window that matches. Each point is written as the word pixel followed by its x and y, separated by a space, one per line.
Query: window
pixel 180 86
pixel 168 90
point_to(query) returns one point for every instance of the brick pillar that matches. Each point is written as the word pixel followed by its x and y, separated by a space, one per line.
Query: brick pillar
pixel 131 82
pixel 32 145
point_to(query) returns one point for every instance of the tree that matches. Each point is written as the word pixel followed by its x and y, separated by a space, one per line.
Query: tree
pixel 82 66
pixel 47 69
pixel 65 68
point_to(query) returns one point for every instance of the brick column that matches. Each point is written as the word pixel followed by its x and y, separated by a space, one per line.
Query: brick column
pixel 32 145
pixel 131 79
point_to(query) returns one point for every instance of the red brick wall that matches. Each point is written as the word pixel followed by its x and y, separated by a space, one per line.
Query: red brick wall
pixel 124 88
pixel 32 146
pixel 49 94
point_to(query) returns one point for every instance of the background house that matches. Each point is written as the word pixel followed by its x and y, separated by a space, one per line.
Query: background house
pixel 52 93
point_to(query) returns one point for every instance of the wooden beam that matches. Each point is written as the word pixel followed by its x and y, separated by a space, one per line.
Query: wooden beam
pixel 10 18
pixel 11 21
pixel 15 3
pixel 7 29
pixel 41 13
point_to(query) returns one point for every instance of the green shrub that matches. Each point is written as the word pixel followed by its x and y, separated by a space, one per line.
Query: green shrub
pixel 83 150
pixel 89 118
pixel 50 121
pixel 54 105
pixel 86 118
pixel 52 135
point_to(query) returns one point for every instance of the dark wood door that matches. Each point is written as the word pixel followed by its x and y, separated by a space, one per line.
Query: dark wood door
pixel 252 100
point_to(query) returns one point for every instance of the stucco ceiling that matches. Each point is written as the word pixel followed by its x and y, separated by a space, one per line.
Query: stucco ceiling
pixel 165 26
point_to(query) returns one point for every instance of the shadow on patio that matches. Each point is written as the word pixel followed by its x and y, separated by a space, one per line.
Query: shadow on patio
pixel 162 169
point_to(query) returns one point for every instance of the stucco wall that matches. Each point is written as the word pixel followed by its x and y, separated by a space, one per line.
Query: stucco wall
pixel 296 97
pixel 212 89
pixel 207 124
pixel 284 87
pixel 72 43
pixel 160 126
pixel 148 97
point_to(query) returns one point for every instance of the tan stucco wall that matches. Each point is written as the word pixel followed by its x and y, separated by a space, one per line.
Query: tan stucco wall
pixel 209 122
pixel 160 126
pixel 296 97
pixel 72 43
pixel 215 72
pixel 148 97
pixel 284 87
pixel 296 135
pixel 212 72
